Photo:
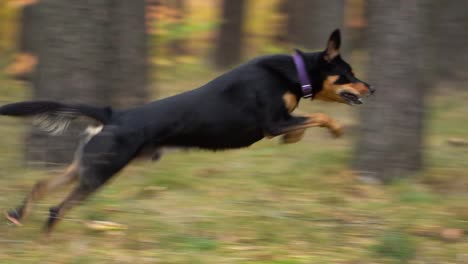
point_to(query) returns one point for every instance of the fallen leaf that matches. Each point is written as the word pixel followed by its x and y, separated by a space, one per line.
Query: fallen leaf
pixel 451 234
pixel 105 226
pixel 457 142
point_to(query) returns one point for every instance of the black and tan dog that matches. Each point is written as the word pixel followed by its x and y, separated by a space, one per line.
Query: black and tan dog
pixel 235 110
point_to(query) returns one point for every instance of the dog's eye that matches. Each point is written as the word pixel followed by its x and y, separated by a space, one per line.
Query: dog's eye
pixel 342 80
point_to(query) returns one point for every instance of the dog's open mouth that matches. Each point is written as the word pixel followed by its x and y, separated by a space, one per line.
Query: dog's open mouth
pixel 351 98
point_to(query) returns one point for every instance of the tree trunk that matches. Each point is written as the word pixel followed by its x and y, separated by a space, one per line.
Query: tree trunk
pixel 390 139
pixel 128 53
pixel 29 34
pixel 354 25
pixel 91 52
pixel 310 22
pixel 452 44
pixel 229 42
pixel 177 46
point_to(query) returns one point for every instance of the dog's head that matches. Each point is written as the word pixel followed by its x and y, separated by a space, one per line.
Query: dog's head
pixel 339 84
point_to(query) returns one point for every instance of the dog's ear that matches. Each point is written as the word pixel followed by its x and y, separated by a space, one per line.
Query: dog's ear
pixel 333 45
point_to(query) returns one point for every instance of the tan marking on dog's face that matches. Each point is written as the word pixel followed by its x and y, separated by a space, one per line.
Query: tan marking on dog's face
pixel 331 91
pixel 290 101
pixel 361 88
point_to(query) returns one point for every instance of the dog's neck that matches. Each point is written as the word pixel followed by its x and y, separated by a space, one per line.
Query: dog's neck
pixel 284 66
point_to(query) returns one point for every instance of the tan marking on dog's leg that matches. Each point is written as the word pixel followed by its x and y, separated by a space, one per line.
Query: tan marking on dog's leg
pixel 41 188
pixel 290 101
pixel 56 213
pixel 320 120
pixel 83 190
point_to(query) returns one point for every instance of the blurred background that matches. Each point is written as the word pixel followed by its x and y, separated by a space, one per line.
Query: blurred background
pixel 394 189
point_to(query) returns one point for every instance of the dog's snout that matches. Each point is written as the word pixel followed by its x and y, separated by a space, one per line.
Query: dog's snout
pixel 370 88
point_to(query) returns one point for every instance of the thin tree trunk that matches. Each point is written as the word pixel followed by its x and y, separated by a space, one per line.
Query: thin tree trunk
pixel 452 41
pixel 29 34
pixel 390 139
pixel 177 46
pixel 355 23
pixel 229 42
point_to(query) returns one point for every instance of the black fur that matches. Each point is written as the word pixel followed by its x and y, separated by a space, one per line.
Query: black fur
pixel 32 108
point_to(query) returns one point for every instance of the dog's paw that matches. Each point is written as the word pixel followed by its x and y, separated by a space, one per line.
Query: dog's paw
pixel 14 217
pixel 336 130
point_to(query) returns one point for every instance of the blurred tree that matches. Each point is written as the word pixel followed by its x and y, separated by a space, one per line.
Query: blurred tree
pixel 127 53
pixel 309 22
pixel 30 29
pixel 355 23
pixel 452 41
pixel 177 46
pixel 228 50
pixel 25 60
pixel 90 52
pixel 29 37
pixel 390 138
pixel 429 60
pixel 8 18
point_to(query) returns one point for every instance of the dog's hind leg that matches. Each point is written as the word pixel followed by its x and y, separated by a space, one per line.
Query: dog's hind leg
pixel 40 189
pixel 103 156
pixel 81 192
pixel 90 181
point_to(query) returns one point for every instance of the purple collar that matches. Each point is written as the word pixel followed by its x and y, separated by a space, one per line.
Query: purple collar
pixel 303 76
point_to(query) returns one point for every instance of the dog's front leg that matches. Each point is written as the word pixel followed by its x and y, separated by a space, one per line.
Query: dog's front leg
pixel 293 136
pixel 295 133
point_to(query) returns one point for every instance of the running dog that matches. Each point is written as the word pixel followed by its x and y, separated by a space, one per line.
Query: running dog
pixel 250 102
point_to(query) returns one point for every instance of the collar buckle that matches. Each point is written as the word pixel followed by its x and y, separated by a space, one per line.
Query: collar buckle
pixel 307 91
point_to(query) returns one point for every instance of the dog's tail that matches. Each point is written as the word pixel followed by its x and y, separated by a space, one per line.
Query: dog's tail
pixel 53 117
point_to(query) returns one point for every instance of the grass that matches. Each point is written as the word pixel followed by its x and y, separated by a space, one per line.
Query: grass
pixel 395 245
pixel 270 203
